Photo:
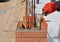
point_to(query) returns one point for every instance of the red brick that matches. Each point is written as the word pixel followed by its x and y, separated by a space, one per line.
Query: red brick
pixel 27 39
pixel 34 34
pixel 24 19
pixel 43 39
pixel 30 21
pixel 43 23
pixel 20 24
pixel 43 26
pixel 17 34
pixel 17 40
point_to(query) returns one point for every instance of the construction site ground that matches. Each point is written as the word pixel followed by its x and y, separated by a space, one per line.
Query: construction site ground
pixel 10 13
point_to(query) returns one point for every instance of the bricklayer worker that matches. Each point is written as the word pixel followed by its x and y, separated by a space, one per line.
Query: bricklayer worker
pixel 50 7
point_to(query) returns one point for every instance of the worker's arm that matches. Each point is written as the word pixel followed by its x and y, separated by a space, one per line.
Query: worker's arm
pixel 51 7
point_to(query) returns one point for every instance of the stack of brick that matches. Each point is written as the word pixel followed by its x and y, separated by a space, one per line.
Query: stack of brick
pixel 27 24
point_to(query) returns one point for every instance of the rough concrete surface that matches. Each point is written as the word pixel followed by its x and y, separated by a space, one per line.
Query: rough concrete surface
pixel 10 12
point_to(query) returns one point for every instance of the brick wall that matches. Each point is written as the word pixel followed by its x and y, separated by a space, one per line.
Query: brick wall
pixel 33 35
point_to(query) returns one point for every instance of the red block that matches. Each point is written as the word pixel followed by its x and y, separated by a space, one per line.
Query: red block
pixel 43 39
pixel 20 24
pixel 27 40
pixel 43 24
pixel 18 34
pixel 34 34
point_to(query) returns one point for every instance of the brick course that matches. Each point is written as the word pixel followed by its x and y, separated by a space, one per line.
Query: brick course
pixel 27 39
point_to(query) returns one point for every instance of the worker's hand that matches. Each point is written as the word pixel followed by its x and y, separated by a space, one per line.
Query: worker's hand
pixel 49 8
